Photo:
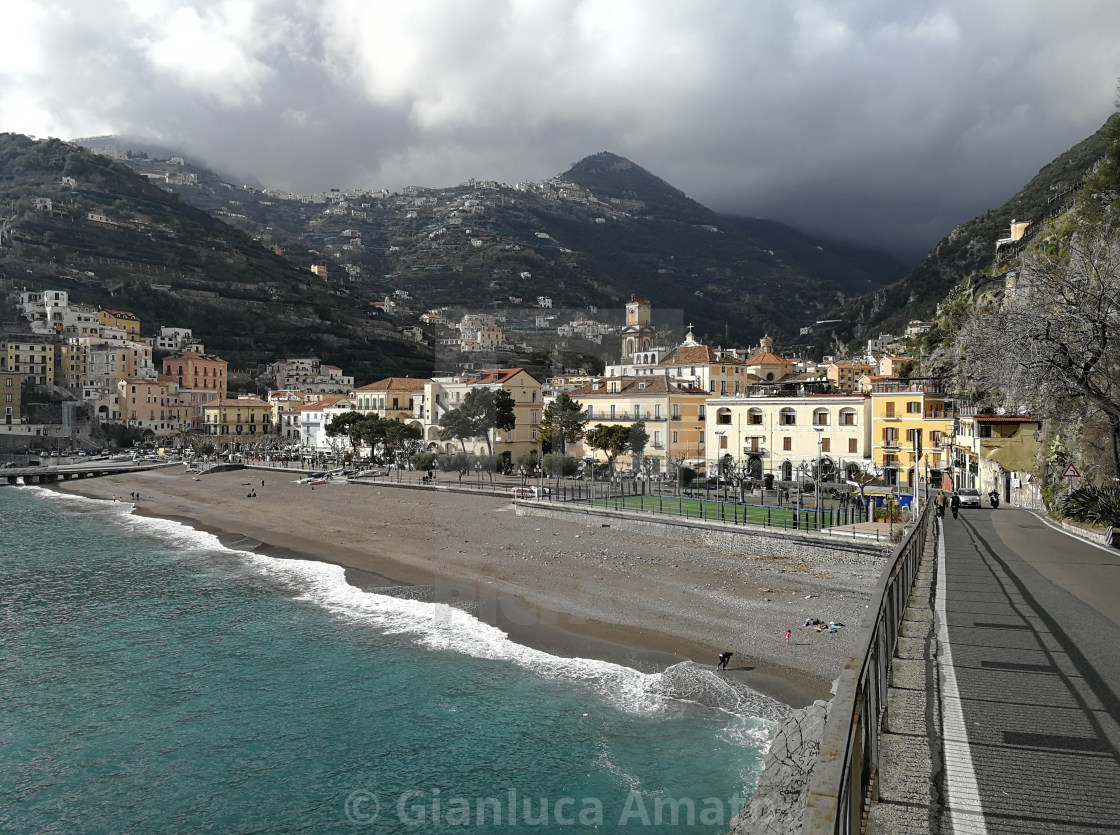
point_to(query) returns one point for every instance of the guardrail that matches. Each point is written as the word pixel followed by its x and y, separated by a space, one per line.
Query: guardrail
pixel 844 779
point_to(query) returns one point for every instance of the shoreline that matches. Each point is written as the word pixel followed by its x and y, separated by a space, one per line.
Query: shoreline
pixel 636 600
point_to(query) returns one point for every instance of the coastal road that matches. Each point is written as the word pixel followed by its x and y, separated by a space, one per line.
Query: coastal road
pixel 1030 677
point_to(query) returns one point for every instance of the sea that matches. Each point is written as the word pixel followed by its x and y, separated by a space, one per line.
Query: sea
pixel 153 680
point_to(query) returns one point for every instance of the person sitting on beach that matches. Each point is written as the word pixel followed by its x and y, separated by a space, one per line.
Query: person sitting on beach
pixel 724 657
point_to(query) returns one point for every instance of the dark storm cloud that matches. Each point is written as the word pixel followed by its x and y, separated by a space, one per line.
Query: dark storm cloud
pixel 874 121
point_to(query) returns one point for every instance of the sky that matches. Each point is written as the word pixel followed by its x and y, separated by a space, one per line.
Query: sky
pixel 877 122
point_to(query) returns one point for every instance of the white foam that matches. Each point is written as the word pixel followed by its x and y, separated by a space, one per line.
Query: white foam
pixel 442 627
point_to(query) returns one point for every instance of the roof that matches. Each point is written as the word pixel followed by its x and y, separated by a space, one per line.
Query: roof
pixel 396 384
pixel 698 355
pixel 631 386
pixel 765 358
pixel 493 376
pixel 123 314
pixel 1005 419
pixel 255 402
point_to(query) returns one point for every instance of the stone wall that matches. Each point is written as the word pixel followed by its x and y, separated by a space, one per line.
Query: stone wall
pixel 750 539
pixel 778 804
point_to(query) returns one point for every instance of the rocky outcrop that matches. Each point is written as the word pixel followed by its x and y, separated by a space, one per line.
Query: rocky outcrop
pixel 778 804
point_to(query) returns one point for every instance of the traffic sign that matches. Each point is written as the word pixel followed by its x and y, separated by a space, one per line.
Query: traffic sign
pixel 1071 472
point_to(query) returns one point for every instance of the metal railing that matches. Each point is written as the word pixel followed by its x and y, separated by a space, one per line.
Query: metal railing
pixel 845 778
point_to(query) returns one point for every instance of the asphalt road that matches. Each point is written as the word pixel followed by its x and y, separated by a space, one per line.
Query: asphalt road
pixel 1030 675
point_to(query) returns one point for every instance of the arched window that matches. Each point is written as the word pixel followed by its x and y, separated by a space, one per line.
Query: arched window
pixel 848 417
pixel 820 417
pixel 754 417
pixel 787 417
pixel 723 416
pixel 786 471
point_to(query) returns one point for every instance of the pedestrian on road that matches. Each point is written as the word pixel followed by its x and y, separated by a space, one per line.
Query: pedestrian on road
pixel 789 635
pixel 940 501
pixel 955 504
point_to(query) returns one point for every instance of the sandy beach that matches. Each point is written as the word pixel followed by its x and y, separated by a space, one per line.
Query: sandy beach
pixel 575 589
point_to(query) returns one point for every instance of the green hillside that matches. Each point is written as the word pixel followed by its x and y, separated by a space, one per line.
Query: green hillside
pixel 112 238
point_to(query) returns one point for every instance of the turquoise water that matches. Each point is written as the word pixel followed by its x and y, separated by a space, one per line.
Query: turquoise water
pixel 156 681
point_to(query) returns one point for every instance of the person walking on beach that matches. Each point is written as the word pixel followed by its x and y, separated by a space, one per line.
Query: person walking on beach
pixel 789 635
pixel 724 657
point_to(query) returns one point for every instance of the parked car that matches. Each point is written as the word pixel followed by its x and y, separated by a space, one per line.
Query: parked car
pixel 969 497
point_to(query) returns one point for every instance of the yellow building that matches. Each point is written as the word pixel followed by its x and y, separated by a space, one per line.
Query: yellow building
pixel 128 322
pixel 245 418
pixel 673 412
pixel 35 359
pixel 73 367
pixel 1000 453
pixel 911 433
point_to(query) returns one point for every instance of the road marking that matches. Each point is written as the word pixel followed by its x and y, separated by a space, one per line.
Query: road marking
pixel 965 809
pixel 1060 529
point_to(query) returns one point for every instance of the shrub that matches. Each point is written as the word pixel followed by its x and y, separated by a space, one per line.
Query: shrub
pixel 1092 505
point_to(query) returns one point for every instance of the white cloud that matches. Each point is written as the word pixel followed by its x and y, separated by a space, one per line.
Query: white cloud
pixel 878 120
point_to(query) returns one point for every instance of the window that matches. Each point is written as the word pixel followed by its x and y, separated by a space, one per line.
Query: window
pixel 889 409
pixel 853 445
pixel 787 443
pixel 915 437
pixel 913 407
pixel 703 413
pixel 826 445
pixel 754 417
pixel 787 417
pixel 848 417
pixel 890 437
pixel 820 417
pixel 676 411
pixel 675 438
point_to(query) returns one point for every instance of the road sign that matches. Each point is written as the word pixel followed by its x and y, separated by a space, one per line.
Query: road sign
pixel 1071 472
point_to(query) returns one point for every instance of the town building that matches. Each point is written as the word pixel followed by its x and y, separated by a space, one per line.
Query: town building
pixel 673 412
pixel 242 419
pixel 441 395
pixel 149 405
pixel 35 359
pixel 783 436
pixel 201 379
pixel 11 397
pixel 998 453
pixel 911 432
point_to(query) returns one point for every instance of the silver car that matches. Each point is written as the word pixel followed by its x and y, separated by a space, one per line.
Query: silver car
pixel 969 497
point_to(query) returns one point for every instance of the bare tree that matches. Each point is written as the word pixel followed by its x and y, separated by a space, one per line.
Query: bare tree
pixel 1053 346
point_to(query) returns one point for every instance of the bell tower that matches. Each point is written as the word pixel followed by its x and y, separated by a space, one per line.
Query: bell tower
pixel 637 334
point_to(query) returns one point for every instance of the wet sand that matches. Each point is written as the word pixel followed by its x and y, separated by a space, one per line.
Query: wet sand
pixel 570 588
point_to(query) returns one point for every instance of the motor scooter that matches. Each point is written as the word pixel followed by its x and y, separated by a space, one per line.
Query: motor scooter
pixel 993 497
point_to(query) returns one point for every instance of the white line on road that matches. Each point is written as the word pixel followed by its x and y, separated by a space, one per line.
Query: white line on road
pixel 966 813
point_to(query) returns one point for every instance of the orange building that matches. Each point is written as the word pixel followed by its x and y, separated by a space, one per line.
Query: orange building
pixel 201 379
